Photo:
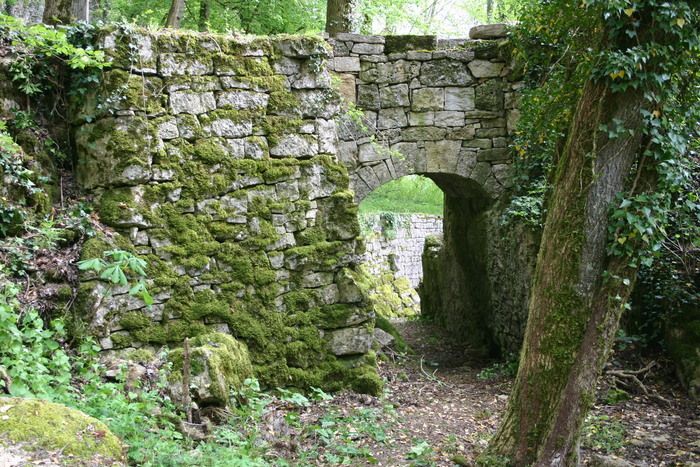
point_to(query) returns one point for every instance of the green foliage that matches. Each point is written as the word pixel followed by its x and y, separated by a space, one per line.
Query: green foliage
pixel 409 194
pixel 420 453
pixel 31 354
pixel 122 268
pixel 37 49
pixel 603 433
pixel 498 370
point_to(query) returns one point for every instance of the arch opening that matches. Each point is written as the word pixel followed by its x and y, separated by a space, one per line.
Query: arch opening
pixel 426 251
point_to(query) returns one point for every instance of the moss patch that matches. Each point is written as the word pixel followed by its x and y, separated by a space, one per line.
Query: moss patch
pixel 54 427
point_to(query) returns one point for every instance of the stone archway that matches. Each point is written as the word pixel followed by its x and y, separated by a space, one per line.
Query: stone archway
pixel 443 109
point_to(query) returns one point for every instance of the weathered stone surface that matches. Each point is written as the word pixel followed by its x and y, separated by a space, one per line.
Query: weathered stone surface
pixel 489 96
pixel 442 156
pixel 392 118
pixel 444 73
pixel 242 99
pixel 394 96
pixel 219 364
pixel 428 99
pixel 367 49
pixel 368 96
pixel 346 64
pixel 170 64
pixel 485 69
pixel 407 42
pixel 192 102
pixel 294 145
pixel 351 341
pixel 489 31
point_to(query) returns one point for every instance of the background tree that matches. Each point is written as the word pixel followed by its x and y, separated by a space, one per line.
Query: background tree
pixel 340 16
pixel 57 12
pixel 175 14
pixel 624 148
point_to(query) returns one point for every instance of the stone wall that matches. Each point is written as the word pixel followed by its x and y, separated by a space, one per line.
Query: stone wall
pixel 213 157
pixel 217 159
pixel 428 106
pixel 394 243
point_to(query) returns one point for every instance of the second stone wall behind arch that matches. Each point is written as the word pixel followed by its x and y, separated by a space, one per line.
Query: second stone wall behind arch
pixel 398 247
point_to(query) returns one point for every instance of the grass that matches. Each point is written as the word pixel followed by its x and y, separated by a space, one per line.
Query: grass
pixel 409 194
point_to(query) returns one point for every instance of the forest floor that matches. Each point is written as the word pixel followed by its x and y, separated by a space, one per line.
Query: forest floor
pixel 442 405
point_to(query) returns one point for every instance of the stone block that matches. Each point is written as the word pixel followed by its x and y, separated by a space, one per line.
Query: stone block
pixel 293 145
pixel 228 129
pixel 367 49
pixel 490 132
pixel 423 133
pixel 327 136
pixel 421 118
pixel 459 98
pixel 485 69
pixel 351 341
pixel 403 43
pixel 442 156
pixel 346 36
pixel 368 96
pixel 346 64
pixel 428 99
pixel 371 152
pixel 483 143
pixel 170 64
pixel 347 88
pixel 494 155
pixel 168 129
pixel 445 73
pixel 394 96
pixel 449 118
pixel 392 118
pixel 489 31
pixel 192 102
pixel 241 100
pixel 400 71
pixel 489 96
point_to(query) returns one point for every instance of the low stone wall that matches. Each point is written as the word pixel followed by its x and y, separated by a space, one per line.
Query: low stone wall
pixel 394 243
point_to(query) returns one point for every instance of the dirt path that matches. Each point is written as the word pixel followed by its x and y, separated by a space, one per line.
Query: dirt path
pixel 445 412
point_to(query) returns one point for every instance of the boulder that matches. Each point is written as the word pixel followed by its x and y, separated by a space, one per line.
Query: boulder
pixel 33 430
pixel 218 364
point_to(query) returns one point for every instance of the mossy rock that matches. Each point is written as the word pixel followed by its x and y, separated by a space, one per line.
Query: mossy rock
pixel 218 364
pixel 40 425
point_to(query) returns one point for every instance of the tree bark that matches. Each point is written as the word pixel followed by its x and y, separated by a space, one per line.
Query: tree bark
pixel 81 10
pixel 573 317
pixel 489 11
pixel 175 14
pixel 57 12
pixel 340 16
pixel 204 14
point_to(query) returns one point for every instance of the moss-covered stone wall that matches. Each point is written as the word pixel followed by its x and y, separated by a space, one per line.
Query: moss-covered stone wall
pixel 214 158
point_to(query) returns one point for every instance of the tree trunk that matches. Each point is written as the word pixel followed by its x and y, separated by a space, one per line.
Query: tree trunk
pixel 81 10
pixel 175 14
pixel 489 11
pixel 340 16
pixel 572 316
pixel 204 13
pixel 57 12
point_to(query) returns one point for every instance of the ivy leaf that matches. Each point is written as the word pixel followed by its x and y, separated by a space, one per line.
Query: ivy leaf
pixel 680 22
pixel 630 11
